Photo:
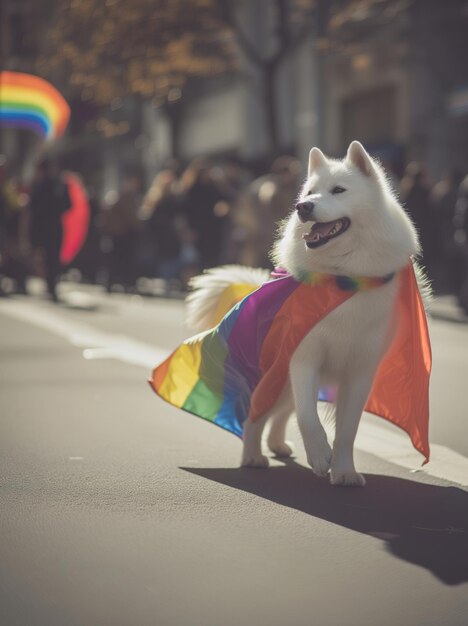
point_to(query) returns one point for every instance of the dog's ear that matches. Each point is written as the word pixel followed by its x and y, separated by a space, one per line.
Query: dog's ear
pixel 316 159
pixel 358 157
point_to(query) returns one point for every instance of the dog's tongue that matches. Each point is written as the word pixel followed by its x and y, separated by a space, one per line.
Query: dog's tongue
pixel 320 229
pixel 323 228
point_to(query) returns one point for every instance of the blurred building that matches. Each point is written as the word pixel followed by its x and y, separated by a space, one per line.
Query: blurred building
pixel 405 92
pixel 391 73
pixel 393 76
pixel 22 26
pixel 226 115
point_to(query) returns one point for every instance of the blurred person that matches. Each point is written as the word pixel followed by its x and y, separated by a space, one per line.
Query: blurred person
pixel 206 209
pixel 89 259
pixel 448 269
pixel 415 194
pixel 4 204
pixel 13 236
pixel 265 202
pixel 147 252
pixel 120 225
pixel 168 175
pixel 391 175
pixel 161 208
pixel 236 177
pixel 189 256
pixel 49 199
pixel 461 241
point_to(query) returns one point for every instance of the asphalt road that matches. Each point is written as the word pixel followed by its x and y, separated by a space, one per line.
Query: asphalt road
pixel 117 509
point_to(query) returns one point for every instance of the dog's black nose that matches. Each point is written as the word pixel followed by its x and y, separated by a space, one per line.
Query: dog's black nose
pixel 305 209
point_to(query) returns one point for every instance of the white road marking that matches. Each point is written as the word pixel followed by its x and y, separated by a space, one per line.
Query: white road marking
pixel 373 438
pixel 394 446
pixel 99 344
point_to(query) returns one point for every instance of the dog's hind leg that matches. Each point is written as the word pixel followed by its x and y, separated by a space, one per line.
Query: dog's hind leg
pixel 279 420
pixel 252 454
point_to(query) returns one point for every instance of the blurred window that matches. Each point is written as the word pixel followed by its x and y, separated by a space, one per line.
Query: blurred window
pixel 370 116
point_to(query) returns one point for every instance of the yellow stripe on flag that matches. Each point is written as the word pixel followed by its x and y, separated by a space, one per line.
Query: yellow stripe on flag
pixel 25 95
pixel 231 296
pixel 182 374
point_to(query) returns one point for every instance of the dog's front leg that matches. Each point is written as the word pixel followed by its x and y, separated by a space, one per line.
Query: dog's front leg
pixel 252 451
pixel 352 396
pixel 305 383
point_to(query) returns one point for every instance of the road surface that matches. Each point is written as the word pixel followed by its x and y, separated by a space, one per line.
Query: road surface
pixel 117 509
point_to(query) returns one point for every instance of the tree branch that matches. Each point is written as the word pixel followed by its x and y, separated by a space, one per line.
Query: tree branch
pixel 245 44
pixel 288 43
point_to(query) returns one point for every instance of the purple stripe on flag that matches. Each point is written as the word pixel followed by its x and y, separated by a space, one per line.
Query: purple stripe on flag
pixel 244 331
pixel 254 321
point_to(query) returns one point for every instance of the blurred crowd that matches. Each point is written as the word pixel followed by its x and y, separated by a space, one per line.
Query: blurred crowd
pixel 189 219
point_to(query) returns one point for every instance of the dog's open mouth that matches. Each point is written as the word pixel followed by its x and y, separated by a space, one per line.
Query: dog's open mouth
pixel 322 232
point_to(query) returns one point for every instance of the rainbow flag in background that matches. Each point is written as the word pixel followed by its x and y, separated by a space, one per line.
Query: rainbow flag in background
pixel 30 102
pixel 238 369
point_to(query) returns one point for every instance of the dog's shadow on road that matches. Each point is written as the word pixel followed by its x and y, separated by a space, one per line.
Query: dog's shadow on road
pixel 420 523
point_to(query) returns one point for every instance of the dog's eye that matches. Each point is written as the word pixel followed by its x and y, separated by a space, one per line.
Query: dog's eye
pixel 338 189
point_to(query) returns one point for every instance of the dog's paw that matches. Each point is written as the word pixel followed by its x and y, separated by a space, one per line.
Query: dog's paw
pixel 260 461
pixel 281 448
pixel 340 478
pixel 319 456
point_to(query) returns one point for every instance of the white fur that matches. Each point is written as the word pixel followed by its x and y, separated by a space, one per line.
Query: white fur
pixel 207 287
pixel 344 348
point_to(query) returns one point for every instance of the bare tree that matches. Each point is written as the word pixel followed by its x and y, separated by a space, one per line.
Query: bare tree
pixel 158 49
pixel 292 22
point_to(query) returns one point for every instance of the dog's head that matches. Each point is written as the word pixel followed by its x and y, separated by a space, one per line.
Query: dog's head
pixel 346 219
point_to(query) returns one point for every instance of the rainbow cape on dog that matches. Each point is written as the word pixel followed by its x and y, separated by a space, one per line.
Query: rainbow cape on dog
pixel 237 370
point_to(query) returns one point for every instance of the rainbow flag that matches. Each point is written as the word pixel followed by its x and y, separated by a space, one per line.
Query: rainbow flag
pixel 30 102
pixel 237 370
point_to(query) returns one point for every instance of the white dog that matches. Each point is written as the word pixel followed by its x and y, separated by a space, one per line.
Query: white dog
pixel 346 222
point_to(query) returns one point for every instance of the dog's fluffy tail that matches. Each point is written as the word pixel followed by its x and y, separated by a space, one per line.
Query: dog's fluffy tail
pixel 208 287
